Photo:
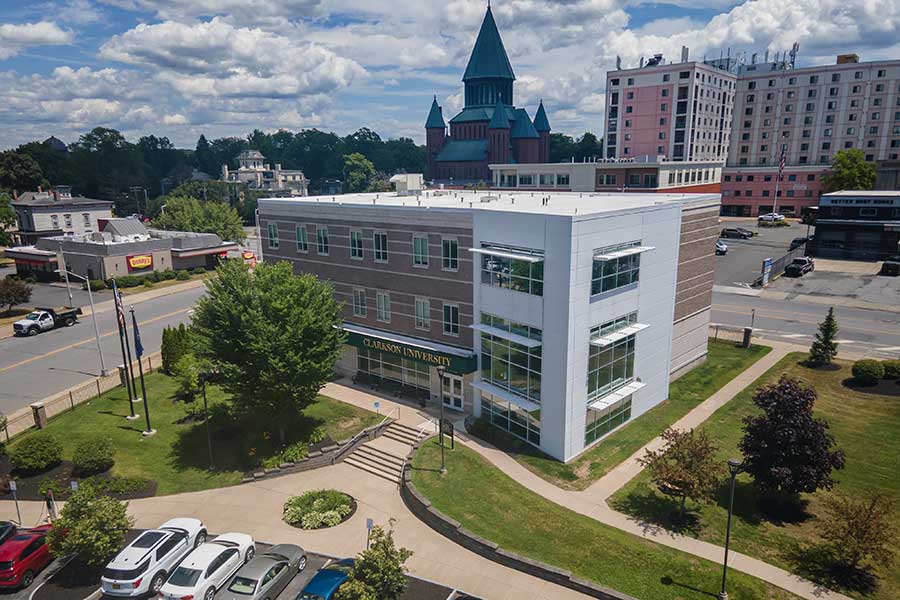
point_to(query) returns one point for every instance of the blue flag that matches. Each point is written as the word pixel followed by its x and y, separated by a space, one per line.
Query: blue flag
pixel 138 347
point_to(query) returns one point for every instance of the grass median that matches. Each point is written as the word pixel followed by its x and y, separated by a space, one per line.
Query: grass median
pixel 725 361
pixel 490 504
pixel 865 423
pixel 177 458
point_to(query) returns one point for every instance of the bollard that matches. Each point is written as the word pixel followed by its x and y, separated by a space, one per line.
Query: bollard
pixel 748 332
pixel 39 412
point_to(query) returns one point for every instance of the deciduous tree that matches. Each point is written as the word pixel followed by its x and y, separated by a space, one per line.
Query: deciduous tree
pixel 274 337
pixel 686 466
pixel 378 572
pixel 19 172
pixel 12 292
pixel 7 219
pixel 824 348
pixel 91 525
pixel 183 213
pixel 860 533
pixel 786 449
pixel 850 171
pixel 358 170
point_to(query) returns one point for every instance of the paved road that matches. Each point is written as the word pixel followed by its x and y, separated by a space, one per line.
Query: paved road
pixel 862 331
pixel 743 262
pixel 33 368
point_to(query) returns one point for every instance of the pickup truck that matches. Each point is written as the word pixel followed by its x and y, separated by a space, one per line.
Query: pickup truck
pixel 799 267
pixel 45 319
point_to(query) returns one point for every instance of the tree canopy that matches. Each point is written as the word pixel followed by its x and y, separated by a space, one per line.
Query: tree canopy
pixel 183 213
pixel 19 172
pixel 12 292
pixel 850 171
pixel 358 171
pixel 786 449
pixel 378 572
pixel 7 219
pixel 273 336
pixel 91 525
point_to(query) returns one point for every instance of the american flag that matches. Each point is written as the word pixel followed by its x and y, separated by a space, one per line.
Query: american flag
pixel 138 346
pixel 120 309
pixel 781 165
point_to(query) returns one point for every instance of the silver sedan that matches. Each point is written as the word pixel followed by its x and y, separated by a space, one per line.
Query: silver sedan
pixel 266 575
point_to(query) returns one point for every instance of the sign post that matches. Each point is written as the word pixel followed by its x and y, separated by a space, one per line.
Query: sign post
pixel 767 271
pixel 377 406
pixel 13 487
pixel 370 523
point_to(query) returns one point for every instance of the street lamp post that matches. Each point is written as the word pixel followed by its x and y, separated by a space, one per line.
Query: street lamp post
pixel 440 372
pixel 103 371
pixel 734 467
pixel 203 378
pixel 65 271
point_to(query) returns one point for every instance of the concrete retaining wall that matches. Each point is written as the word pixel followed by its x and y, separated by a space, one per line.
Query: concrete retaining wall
pixel 422 508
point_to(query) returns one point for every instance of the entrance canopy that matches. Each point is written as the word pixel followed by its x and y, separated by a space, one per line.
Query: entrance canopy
pixel 455 360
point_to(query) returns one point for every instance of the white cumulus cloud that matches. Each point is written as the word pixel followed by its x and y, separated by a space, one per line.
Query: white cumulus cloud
pixel 15 38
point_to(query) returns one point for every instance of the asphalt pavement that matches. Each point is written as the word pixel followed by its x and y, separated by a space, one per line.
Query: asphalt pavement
pixel 33 368
pixel 743 263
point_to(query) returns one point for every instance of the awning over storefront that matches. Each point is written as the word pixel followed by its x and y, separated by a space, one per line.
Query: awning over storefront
pixel 616 395
pixel 506 395
pixel 455 360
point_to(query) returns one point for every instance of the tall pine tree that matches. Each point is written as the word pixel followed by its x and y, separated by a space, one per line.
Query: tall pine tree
pixel 824 348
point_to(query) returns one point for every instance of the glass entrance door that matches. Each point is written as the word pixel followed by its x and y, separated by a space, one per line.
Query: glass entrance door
pixel 452 391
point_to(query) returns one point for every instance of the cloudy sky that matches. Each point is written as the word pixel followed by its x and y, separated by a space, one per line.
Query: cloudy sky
pixel 224 67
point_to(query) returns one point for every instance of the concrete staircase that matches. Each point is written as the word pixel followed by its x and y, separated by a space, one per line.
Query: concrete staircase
pixel 384 456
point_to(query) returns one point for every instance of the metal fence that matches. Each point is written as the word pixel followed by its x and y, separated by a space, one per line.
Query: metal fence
pixel 24 419
pixel 779 264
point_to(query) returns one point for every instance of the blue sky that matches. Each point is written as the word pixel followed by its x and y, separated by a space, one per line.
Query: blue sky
pixel 224 67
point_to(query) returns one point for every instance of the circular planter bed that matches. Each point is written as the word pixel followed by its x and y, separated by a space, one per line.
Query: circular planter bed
pixel 318 509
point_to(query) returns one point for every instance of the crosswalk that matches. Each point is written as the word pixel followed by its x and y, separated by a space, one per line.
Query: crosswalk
pixel 854 346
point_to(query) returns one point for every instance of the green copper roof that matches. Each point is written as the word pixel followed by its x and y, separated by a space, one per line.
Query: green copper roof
pixel 500 120
pixel 463 151
pixel 540 119
pixel 435 116
pixel 479 113
pixel 522 127
pixel 489 59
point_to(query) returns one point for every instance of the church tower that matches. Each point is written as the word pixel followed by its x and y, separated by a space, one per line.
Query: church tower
pixel 489 77
pixel 542 125
pixel 435 135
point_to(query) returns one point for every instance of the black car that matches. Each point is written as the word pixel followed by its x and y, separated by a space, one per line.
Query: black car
pixel 891 266
pixel 800 241
pixel 799 267
pixel 736 233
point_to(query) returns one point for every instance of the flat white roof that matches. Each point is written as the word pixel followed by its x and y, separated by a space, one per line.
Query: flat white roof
pixel 557 203
pixel 874 193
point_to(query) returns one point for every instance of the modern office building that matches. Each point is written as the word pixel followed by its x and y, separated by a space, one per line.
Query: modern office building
pixel 555 316
pixel 120 247
pixel 857 225
pixel 679 111
pixel 56 212
pixel 809 113
pixel 645 174
pixel 489 128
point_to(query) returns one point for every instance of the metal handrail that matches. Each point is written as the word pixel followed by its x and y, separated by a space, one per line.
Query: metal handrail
pixel 364 432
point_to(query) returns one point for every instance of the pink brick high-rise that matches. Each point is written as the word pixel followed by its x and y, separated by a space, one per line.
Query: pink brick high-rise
pixel 489 129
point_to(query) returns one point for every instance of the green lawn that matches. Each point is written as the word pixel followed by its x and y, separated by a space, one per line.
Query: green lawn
pixel 177 456
pixel 725 361
pixel 865 424
pixel 490 504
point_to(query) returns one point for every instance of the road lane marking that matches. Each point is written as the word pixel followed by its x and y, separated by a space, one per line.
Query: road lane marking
pixel 76 344
pixel 793 319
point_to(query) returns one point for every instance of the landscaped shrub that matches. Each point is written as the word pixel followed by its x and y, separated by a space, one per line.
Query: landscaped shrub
pixel 168 275
pixel 317 509
pixel 182 275
pixel 124 281
pixel 93 455
pixel 96 285
pixel 148 282
pixel 891 368
pixel 868 371
pixel 37 452
pixel 291 453
pixel 198 271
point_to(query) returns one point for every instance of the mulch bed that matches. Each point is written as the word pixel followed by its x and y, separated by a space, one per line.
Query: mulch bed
pixel 29 484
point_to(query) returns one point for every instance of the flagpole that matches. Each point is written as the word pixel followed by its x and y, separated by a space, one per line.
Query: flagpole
pixel 120 320
pixel 129 366
pixel 139 351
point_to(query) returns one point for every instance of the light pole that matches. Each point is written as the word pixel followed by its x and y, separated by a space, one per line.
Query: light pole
pixel 203 378
pixel 734 467
pixel 65 272
pixel 440 371
pixel 103 371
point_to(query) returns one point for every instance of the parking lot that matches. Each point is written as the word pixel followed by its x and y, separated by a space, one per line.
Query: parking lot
pixel 743 263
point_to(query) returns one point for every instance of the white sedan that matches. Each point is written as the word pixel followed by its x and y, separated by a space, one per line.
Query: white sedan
pixel 772 217
pixel 208 567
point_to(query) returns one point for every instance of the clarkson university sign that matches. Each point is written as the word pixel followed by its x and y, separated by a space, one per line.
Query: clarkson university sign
pixel 434 358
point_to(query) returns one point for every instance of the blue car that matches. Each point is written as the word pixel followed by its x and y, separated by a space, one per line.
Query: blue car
pixel 327 581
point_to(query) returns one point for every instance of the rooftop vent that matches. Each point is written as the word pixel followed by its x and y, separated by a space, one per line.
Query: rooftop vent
pixel 486 199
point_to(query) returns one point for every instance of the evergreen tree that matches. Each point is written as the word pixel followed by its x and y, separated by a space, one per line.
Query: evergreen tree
pixel 824 348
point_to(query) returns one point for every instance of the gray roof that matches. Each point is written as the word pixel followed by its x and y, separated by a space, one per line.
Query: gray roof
pixel 46 199
pixel 188 240
pixel 124 227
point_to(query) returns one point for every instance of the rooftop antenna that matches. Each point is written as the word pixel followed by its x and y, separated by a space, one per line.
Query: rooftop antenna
pixel 618 63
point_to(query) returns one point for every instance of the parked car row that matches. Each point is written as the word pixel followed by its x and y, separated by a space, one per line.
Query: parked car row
pixel 177 562
pixel 23 554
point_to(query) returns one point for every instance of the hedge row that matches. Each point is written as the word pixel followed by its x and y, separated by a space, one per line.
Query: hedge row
pixel 130 281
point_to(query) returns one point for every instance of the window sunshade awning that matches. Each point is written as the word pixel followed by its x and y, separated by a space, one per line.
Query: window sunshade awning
pixel 615 336
pixel 507 254
pixel 498 392
pixel 616 395
pixel 623 253
pixel 506 335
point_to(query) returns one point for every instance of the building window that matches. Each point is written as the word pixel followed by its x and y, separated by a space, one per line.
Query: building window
pixel 451 319
pixel 356 244
pixel 54 221
pixel 322 240
pixel 381 246
pixel 514 419
pixel 614 273
pixel 383 304
pixel 273 235
pixel 423 313
pixel 449 255
pixel 611 366
pixel 359 302
pixel 509 365
pixel 86 219
pixel 390 366
pixel 68 220
pixel 516 274
pixel 420 251
pixel 302 241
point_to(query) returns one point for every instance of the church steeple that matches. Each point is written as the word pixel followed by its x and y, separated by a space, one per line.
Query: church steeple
pixel 435 116
pixel 489 75
pixel 541 123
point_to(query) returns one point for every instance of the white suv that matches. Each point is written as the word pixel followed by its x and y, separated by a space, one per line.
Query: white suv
pixel 143 565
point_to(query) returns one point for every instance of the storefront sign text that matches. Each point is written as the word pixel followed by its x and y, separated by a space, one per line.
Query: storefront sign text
pixel 142 261
pixel 407 352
